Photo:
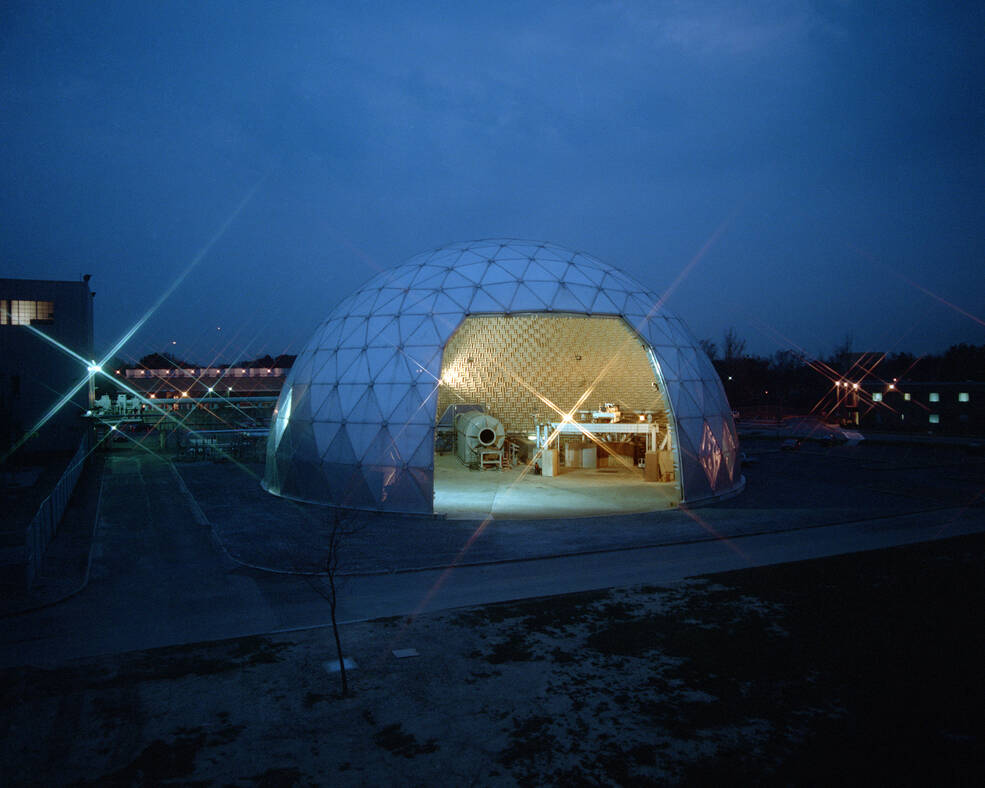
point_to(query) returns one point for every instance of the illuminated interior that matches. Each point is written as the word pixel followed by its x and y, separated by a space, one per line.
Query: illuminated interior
pixel 505 361
pixel 15 312
pixel 534 372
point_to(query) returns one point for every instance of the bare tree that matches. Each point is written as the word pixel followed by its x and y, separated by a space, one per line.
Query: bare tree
pixel 733 346
pixel 709 347
pixel 339 531
pixel 787 360
pixel 331 571
pixel 841 356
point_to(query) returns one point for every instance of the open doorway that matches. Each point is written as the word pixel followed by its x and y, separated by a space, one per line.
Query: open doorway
pixel 585 425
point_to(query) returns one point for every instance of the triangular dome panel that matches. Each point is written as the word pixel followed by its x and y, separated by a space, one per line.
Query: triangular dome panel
pixel 330 408
pixel 538 271
pixel 388 302
pixel 395 371
pixel 419 302
pixel 473 272
pixel 353 332
pixel 445 303
pixel 379 359
pixel 349 396
pixel 324 433
pixel 381 329
pixel 532 296
pixel 455 279
pixel 366 410
pixel 584 293
pixel 482 301
pixel 502 293
pixel 383 450
pixel 340 449
pixel 604 305
pixel 566 301
pixel 497 273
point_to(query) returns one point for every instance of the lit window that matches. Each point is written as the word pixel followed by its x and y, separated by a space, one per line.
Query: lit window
pixel 935 419
pixel 906 396
pixel 20 313
pixel 964 396
pixel 934 397
pixel 877 396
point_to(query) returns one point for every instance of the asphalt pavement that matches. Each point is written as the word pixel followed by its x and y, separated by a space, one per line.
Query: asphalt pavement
pixel 160 575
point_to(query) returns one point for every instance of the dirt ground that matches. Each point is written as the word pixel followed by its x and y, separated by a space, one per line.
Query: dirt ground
pixel 862 669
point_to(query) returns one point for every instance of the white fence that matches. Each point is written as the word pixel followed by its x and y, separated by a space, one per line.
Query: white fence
pixel 45 522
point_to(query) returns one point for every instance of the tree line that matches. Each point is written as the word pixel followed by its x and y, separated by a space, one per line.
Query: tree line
pixel 169 360
pixel 792 379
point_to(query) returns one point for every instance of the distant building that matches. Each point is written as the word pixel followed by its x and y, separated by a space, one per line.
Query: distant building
pixel 198 382
pixel 34 373
pixel 945 407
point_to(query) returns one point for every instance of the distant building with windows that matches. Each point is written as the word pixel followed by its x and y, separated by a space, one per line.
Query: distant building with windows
pixel 225 381
pixel 34 373
pixel 945 407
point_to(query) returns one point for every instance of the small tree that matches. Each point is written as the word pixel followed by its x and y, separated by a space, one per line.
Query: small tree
pixel 339 531
pixel 331 572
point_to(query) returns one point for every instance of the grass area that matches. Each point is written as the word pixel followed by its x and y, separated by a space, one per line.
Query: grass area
pixel 856 669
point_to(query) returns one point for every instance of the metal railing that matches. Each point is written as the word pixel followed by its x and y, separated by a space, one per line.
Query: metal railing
pixel 45 523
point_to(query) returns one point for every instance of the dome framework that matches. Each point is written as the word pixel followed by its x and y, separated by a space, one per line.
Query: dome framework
pixel 355 422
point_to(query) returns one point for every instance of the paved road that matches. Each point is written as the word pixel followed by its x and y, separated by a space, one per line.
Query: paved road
pixel 158 578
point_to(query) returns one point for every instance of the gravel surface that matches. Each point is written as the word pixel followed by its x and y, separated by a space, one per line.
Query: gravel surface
pixel 861 669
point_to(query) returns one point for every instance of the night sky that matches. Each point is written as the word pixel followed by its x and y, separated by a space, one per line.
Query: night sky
pixel 822 165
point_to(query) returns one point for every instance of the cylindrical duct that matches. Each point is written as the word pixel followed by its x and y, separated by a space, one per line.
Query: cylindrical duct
pixel 476 432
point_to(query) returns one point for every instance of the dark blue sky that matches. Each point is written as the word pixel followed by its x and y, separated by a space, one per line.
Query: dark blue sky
pixel 838 150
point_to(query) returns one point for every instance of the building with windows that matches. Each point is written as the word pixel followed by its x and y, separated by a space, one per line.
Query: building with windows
pixel 195 382
pixel 36 316
pixel 943 407
pixel 516 357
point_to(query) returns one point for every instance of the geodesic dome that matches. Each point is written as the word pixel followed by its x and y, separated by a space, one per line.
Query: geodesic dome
pixel 355 422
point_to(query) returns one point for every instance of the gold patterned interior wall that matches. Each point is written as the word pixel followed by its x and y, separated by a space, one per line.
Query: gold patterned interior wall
pixel 500 361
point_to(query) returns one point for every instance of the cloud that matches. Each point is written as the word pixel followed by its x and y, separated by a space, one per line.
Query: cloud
pixel 731 29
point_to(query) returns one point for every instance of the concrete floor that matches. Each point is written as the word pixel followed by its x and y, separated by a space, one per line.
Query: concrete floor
pixel 515 494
